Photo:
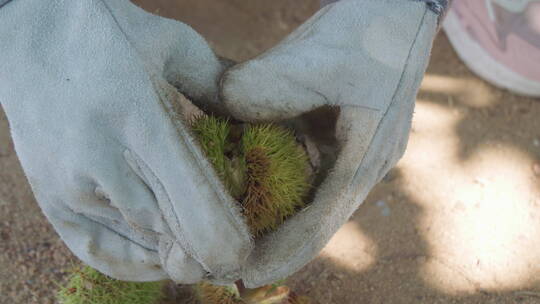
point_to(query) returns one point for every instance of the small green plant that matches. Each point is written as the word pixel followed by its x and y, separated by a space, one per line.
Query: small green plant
pixel 88 286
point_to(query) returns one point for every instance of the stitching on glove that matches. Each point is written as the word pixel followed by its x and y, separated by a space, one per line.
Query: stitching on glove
pixel 4 2
pixel 147 175
pixel 121 235
pixel 96 220
pixel 109 229
pixel 133 164
pixel 395 93
pixel 143 231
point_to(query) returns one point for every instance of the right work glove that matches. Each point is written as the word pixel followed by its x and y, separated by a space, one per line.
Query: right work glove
pixel 365 57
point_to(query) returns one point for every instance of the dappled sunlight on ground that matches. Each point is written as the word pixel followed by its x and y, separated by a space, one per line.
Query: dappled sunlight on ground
pixel 485 233
pixel 474 91
pixel 432 122
pixel 351 248
pixel 481 214
pixel 458 220
pixel 490 229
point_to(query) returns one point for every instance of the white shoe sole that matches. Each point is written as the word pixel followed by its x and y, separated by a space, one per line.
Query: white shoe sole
pixel 482 64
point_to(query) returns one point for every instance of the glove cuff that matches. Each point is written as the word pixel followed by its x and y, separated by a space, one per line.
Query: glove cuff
pixel 438 6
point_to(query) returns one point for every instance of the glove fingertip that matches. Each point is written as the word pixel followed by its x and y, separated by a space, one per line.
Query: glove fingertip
pixel 255 93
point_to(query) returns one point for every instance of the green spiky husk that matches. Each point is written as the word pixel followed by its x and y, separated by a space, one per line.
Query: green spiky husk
pixel 214 137
pixel 88 286
pixel 264 168
pixel 276 176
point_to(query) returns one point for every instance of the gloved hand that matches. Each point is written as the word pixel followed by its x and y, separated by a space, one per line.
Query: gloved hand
pixel 87 87
pixel 366 56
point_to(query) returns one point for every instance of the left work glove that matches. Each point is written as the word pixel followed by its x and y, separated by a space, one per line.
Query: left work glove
pixel 88 87
pixel 366 57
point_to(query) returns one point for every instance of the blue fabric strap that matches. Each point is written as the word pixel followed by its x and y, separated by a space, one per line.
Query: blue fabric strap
pixel 438 6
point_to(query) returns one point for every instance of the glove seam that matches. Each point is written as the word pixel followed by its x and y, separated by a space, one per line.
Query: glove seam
pixel 111 230
pixel 400 83
pixel 140 234
pixel 137 161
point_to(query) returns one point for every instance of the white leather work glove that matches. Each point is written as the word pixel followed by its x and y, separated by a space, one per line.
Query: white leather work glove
pixel 87 87
pixel 367 57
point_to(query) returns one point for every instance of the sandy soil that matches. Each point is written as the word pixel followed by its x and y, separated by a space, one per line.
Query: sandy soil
pixel 458 220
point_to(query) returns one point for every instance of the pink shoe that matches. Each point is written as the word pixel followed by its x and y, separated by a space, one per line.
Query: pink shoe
pixel 499 40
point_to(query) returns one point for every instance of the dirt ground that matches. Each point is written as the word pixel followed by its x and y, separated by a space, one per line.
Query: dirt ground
pixel 457 221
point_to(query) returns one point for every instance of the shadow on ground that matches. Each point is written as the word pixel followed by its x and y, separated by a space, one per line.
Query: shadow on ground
pixel 405 263
pixel 397 255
